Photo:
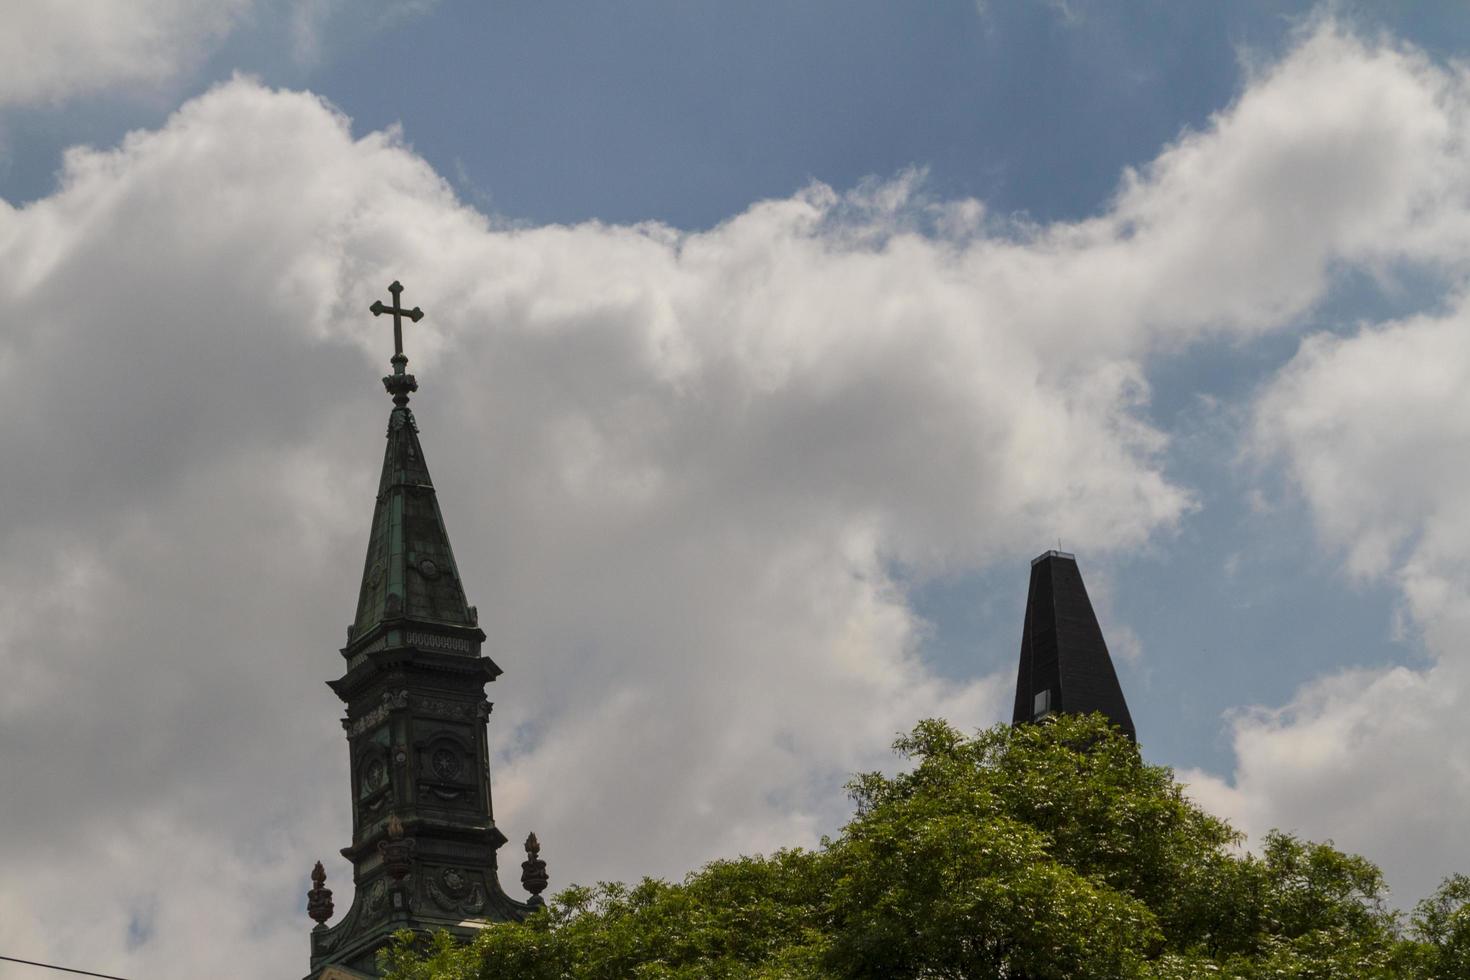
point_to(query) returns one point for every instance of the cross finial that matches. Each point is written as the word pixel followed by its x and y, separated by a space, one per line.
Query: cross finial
pixel 399 383
pixel 415 314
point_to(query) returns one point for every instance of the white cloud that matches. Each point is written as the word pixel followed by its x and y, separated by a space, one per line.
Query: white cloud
pixel 53 49
pixel 1375 431
pixel 1372 429
pixel 313 25
pixel 678 469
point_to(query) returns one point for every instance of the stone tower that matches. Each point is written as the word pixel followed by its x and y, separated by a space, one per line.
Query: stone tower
pixel 424 839
pixel 1064 661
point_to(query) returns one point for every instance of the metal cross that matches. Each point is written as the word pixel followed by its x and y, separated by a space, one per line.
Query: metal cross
pixel 415 314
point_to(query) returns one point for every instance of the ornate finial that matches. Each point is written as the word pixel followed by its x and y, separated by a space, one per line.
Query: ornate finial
pixel 397 850
pixel 319 899
pixel 399 384
pixel 533 872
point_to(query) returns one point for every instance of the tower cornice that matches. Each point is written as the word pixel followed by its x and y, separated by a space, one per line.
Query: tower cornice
pixel 373 667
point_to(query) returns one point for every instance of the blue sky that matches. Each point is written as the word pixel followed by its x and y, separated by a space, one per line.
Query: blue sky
pixel 767 343
pixel 687 112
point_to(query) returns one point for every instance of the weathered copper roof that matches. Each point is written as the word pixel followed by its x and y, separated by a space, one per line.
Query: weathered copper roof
pixel 409 572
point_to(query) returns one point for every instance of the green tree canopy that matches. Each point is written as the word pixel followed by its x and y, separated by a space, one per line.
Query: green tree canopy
pixel 1038 852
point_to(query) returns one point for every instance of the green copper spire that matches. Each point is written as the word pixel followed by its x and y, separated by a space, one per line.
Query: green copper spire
pixel 409 572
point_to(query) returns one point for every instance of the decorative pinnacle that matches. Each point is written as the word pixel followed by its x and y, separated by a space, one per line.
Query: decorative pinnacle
pixel 399 383
pixel 319 899
pixel 397 850
pixel 534 878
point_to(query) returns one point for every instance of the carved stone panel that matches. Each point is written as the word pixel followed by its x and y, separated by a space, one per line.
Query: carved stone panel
pixel 455 890
pixel 447 765
pixel 457 709
pixel 374 782
pixel 390 702
pixel 376 902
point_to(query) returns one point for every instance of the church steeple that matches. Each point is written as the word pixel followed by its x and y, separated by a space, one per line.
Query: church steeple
pixel 1065 665
pixel 424 839
pixel 409 570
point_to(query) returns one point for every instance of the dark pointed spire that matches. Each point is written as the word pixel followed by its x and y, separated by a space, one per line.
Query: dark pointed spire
pixel 409 572
pixel 1065 666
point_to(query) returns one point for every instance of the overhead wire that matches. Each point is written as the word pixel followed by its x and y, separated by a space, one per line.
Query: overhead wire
pixel 63 969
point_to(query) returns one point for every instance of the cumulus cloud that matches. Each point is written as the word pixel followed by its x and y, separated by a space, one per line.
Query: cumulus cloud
pixel 1374 429
pixel 53 49
pixel 680 470
pixel 1342 155
pixel 311 25
pixel 1372 426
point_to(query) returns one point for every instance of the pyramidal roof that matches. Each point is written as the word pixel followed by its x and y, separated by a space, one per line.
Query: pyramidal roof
pixel 409 573
pixel 1065 666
